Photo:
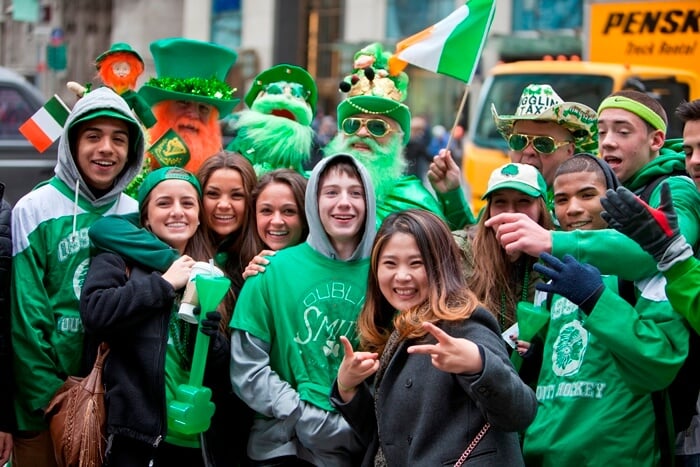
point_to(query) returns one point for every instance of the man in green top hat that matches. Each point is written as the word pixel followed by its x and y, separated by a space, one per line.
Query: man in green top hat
pixel 375 126
pixel 188 97
pixel 276 130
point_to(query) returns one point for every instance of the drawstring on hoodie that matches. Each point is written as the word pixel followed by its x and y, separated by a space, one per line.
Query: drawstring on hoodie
pixel 75 209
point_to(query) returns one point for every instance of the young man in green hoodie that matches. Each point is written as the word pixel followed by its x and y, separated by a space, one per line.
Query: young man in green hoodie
pixel 657 232
pixel 632 127
pixel 100 151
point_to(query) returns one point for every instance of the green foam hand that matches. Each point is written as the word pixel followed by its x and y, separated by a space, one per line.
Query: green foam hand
pixel 531 319
pixel 191 411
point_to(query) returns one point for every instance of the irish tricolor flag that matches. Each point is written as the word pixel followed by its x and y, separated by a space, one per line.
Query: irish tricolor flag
pixel 453 46
pixel 46 125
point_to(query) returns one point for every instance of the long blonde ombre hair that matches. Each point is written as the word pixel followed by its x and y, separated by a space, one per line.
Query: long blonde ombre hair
pixel 449 298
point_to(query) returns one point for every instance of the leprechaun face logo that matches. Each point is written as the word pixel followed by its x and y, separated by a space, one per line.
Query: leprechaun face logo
pixel 569 349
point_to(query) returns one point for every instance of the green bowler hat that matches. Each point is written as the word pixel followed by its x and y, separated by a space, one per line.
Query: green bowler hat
pixel 191 70
pixel 288 73
pixel 116 48
pixel 376 105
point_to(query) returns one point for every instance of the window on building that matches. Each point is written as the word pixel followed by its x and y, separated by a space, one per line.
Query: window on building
pixel 543 15
pixel 226 23
pixel 407 17
pixel 324 33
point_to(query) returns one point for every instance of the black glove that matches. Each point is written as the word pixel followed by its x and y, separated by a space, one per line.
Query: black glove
pixel 210 323
pixel 654 229
pixel 580 283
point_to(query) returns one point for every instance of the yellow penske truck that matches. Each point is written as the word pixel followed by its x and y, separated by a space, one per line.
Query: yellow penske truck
pixel 651 46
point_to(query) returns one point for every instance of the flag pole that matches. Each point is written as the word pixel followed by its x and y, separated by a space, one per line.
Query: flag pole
pixel 459 114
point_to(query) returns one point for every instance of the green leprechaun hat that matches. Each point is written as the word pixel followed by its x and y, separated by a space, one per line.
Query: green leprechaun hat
pixel 117 47
pixel 373 90
pixel 540 102
pixel 284 73
pixel 191 70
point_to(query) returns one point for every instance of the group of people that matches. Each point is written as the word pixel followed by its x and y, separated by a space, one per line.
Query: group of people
pixel 368 322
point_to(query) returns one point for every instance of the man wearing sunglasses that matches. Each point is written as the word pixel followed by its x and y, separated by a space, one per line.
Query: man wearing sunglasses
pixel 545 131
pixel 374 127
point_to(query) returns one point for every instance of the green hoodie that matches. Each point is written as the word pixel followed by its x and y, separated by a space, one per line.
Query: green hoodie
pixel 616 254
pixel 51 255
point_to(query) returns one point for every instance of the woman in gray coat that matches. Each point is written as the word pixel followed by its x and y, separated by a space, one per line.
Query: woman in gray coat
pixel 433 369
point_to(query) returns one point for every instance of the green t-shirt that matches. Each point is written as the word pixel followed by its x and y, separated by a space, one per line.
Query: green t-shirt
pixel 300 306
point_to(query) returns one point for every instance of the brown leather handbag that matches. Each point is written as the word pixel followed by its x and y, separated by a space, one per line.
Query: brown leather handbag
pixel 78 418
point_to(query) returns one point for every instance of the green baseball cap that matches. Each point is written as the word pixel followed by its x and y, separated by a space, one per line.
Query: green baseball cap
pixel 521 177
pixel 162 174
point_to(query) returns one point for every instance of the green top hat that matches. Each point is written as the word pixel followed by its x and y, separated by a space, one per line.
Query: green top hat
pixel 288 73
pixel 191 70
pixel 117 47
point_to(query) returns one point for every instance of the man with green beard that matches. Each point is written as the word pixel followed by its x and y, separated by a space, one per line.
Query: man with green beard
pixel 374 127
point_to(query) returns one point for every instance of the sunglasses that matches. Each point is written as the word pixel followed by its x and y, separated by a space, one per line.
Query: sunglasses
pixel 375 126
pixel 542 144
pixel 283 87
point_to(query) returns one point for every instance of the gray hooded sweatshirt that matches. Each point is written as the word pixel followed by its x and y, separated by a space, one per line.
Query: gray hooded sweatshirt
pixel 285 348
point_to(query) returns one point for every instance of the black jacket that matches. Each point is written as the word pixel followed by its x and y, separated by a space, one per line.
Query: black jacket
pixel 131 312
pixel 427 417
pixel 7 412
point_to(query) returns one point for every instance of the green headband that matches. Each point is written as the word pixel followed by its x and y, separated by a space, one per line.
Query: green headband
pixel 637 108
pixel 163 174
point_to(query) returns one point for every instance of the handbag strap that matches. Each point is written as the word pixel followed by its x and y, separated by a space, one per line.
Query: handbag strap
pixel 102 352
pixel 473 444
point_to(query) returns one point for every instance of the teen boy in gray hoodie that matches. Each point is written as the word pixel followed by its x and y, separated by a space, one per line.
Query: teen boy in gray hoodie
pixel 285 347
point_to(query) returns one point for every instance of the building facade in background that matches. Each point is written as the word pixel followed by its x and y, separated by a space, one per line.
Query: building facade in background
pixel 320 35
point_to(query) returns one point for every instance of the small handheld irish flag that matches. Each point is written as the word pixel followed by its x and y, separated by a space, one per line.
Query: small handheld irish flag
pixel 46 125
pixel 452 46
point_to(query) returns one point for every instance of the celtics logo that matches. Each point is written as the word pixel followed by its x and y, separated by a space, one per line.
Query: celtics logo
pixel 569 349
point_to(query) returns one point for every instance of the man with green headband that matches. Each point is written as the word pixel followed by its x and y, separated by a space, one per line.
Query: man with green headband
pixel 656 230
pixel 374 127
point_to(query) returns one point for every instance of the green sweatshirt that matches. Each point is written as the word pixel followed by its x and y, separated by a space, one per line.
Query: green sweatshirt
pixel 597 376
pixel 613 252
pixel 51 255
pixel 683 290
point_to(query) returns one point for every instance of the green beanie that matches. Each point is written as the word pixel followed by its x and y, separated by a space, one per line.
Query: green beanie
pixel 162 174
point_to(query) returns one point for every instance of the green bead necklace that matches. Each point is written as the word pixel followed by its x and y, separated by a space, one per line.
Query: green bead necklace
pixel 523 297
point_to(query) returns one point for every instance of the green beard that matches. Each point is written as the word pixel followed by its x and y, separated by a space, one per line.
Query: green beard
pixel 271 142
pixel 385 163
